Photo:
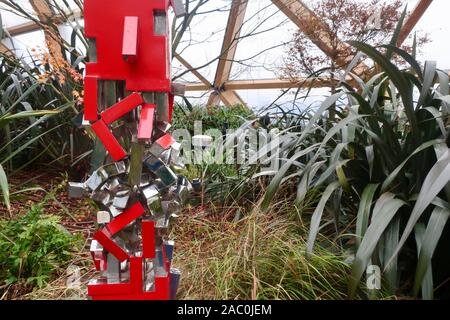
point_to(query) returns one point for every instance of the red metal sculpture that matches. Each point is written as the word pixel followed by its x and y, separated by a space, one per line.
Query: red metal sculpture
pixel 128 104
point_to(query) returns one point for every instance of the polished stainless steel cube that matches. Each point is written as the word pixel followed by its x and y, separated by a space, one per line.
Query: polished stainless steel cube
pixel 178 89
pixel 163 127
pixel 114 211
pixel 178 8
pixel 120 201
pixel 115 169
pixel 113 269
pixel 161 227
pixel 77 190
pixel 197 185
pixel 155 206
pixel 112 185
pixel 101 197
pixel 183 194
pixel 150 192
pixel 166 156
pixel 169 245
pixel 145 181
pixel 95 246
pixel 103 217
pixel 171 207
pixel 152 163
pixel 175 275
pixel 96 180
pixel 167 176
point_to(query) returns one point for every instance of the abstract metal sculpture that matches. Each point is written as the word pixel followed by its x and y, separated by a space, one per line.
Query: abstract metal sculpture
pixel 128 105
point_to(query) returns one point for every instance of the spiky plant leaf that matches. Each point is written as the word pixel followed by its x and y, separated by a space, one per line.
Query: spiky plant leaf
pixel 430 239
pixel 385 209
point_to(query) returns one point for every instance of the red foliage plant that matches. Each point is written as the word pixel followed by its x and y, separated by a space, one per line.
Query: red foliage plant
pixel 369 21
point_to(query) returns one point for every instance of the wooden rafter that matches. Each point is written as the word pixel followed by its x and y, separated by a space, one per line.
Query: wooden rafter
pixel 264 84
pixel 226 96
pixel 317 31
pixel 4 48
pixel 208 85
pixel 413 19
pixel 46 17
pixel 31 26
pixel 227 55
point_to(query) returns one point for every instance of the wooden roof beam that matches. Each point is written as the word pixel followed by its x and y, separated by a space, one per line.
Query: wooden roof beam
pixel 194 71
pixel 46 17
pixel 413 19
pixel 263 84
pixel 227 54
pixel 317 31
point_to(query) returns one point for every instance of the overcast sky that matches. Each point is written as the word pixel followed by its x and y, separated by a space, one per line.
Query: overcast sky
pixel 207 32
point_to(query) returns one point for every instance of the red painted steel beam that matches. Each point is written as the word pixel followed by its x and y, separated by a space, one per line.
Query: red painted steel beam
pixel 145 129
pixel 90 98
pixel 109 141
pixel 125 218
pixel 148 239
pixel 104 238
pixel 130 39
pixel 120 109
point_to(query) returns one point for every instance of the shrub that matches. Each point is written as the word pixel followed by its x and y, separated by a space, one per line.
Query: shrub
pixel 382 171
pixel 34 248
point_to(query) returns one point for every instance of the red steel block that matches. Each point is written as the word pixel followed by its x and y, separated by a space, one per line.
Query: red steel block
pixel 162 288
pixel 162 292
pixel 136 275
pixel 111 290
pixel 99 261
pixel 130 39
pixel 146 123
pixel 122 108
pixel 104 238
pixel 109 141
pixel 90 98
pixel 165 260
pixel 104 22
pixel 171 102
pixel 148 239
pixel 125 218
pixel 166 141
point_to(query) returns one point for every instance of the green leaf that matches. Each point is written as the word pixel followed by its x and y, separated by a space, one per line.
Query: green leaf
pixel 365 204
pixel 427 282
pixel 276 181
pixel 370 154
pixel 5 187
pixel 29 114
pixel 400 81
pixel 428 80
pixel 436 180
pixel 385 210
pixel 408 58
pixel 430 240
pixel 29 143
pixel 317 216
pixel 391 237
pixel 398 29
pixel 395 173
pixel 444 85
pixel 330 101
pixel 308 175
